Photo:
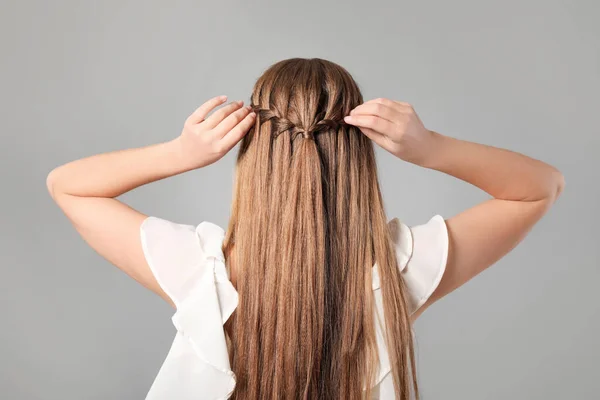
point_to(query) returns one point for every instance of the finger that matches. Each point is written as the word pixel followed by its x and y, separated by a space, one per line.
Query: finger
pixel 378 109
pixel 373 135
pixel 231 121
pixel 238 132
pixel 221 113
pixel 202 111
pixel 380 125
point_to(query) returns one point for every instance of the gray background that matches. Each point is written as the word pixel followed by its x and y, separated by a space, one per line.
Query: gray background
pixel 80 78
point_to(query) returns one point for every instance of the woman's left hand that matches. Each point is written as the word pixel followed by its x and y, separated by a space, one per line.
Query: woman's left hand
pixel 205 140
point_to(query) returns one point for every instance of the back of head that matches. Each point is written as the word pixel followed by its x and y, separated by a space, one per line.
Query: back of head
pixel 307 225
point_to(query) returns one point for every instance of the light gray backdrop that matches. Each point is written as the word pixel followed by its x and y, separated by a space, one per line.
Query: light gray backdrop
pixel 84 77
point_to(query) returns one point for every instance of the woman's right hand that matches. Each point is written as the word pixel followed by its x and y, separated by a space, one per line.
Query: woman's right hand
pixel 523 188
pixel 395 126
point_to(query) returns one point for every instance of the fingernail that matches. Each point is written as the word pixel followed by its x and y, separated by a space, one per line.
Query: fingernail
pixel 347 118
pixel 240 102
pixel 223 98
pixel 249 107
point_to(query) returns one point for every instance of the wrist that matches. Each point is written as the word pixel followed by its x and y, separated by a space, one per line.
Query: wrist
pixel 178 157
pixel 433 150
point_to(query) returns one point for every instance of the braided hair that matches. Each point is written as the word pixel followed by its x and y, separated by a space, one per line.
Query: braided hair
pixel 282 124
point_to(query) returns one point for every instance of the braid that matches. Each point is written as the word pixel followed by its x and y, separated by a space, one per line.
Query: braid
pixel 281 124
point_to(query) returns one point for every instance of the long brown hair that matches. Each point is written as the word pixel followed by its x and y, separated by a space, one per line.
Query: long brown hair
pixel 307 225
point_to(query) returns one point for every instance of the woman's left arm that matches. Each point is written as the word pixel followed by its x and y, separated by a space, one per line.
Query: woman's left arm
pixel 85 189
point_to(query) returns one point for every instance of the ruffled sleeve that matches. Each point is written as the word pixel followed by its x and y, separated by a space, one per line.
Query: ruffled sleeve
pixel 422 253
pixel 173 254
pixel 189 265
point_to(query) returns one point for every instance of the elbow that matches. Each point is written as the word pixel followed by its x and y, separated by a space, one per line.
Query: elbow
pixel 559 184
pixel 556 186
pixel 50 185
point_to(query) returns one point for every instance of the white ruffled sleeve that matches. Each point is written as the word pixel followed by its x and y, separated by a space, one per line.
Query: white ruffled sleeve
pixel 189 265
pixel 173 254
pixel 422 253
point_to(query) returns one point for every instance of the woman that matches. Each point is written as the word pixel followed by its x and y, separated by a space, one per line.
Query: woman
pixel 311 292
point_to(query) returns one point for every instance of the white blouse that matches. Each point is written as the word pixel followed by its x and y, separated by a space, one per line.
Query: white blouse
pixel 188 264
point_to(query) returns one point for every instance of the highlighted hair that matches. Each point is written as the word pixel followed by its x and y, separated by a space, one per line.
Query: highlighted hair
pixel 307 225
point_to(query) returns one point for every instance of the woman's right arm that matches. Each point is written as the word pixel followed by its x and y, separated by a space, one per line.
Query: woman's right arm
pixel 523 188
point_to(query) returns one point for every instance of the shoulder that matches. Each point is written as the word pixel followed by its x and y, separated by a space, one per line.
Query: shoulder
pixel 177 253
pixel 188 263
pixel 422 253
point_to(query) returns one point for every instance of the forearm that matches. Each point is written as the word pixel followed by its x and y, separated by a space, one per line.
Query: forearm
pixel 114 173
pixel 502 173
